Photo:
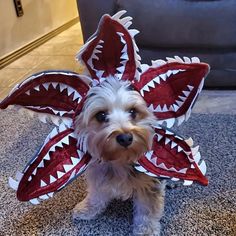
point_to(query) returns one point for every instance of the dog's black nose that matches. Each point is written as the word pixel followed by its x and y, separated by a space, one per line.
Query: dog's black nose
pixel 124 139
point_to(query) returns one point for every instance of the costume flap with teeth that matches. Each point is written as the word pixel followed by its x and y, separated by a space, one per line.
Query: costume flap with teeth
pixel 111 51
pixel 173 157
pixel 57 163
pixel 57 93
pixel 171 88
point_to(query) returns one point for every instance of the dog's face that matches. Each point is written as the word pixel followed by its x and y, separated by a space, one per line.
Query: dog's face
pixel 115 123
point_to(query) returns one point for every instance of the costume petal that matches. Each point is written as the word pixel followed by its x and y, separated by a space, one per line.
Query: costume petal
pixel 173 157
pixel 111 51
pixel 56 164
pixel 56 93
pixel 171 87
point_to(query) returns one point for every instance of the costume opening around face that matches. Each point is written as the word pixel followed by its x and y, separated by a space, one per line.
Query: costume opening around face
pixel 169 87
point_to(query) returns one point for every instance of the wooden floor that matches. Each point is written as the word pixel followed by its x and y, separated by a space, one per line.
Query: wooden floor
pixel 59 53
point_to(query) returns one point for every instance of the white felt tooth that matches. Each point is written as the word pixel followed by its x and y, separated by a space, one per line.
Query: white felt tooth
pixel 96 50
pixel 30 178
pixel 94 56
pixel 122 40
pixel 162 166
pixel 169 59
pixel 170 122
pixel 61 113
pixel 13 183
pixel 181 119
pixel 42 184
pixel 53 133
pixel 187 60
pixel 174 179
pixel 175 72
pixel 52 179
pixel 169 73
pixel 195 150
pixel 189 141
pixel 154 160
pixel 158 109
pixel 44 197
pixel 157 80
pixel 80 154
pixel 149 155
pixel 195 60
pixel 163 76
pixel 125 20
pixel 140 168
pixel 183 171
pixel 62 86
pixel 180 149
pixel 60 174
pixel 121 69
pixel 138 57
pixel 151 84
pixel 151 108
pixel 43 118
pixel 54 84
pixel 164 109
pixel 169 132
pixel 142 92
pixel 128 24
pixel 173 145
pixel 118 75
pixel 69 91
pixel 100 73
pixel 182 98
pixel 144 67
pixel 192 166
pixel 19 175
pixel 175 107
pixel 62 127
pixel 55 120
pixel 34 201
pixel 179 59
pixel 186 93
pixel 50 194
pixel 67 168
pixel 72 175
pixel 133 32
pixel 76 96
pixel 124 50
pixel 36 88
pixel 190 87
pixel 99 47
pixel 146 88
pixel 150 174
pixel 125 56
pixel 28 92
pixel 159 137
pixel 65 140
pixel 197 157
pixel 202 167
pixel 75 161
pixel 187 182
pixel 167 140
pixel 34 172
pixel 180 103
pixel 41 164
pixel 158 63
pixel 46 85
pixel 118 15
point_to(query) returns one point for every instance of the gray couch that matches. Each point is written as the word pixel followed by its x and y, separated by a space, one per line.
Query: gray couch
pixel 203 28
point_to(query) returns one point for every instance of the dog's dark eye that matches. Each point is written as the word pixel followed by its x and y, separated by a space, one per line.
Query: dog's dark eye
pixel 133 113
pixel 101 116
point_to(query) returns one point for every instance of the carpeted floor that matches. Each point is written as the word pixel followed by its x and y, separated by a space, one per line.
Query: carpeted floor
pixel 194 210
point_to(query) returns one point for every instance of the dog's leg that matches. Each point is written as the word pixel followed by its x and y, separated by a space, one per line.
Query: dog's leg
pixel 148 209
pixel 94 203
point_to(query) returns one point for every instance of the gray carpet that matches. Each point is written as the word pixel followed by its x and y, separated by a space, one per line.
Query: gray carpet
pixel 192 210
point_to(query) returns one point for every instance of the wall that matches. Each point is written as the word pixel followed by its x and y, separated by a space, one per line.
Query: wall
pixel 40 17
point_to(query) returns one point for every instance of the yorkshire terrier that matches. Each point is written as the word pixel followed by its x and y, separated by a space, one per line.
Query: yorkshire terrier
pixel 116 124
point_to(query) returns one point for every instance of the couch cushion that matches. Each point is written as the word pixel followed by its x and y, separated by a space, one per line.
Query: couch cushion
pixel 183 23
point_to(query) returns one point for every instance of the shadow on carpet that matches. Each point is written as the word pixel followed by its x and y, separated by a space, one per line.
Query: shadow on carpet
pixel 194 210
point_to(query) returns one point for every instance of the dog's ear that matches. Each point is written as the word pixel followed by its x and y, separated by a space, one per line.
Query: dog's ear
pixel 111 51
pixel 56 164
pixel 173 157
pixel 171 87
pixel 54 94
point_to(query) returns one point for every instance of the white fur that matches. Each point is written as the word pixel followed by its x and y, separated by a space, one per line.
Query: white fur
pixel 113 177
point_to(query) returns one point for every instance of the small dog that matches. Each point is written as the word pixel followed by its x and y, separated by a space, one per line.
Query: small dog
pixel 116 126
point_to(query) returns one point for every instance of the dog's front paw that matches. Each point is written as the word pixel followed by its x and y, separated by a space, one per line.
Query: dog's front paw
pixel 84 211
